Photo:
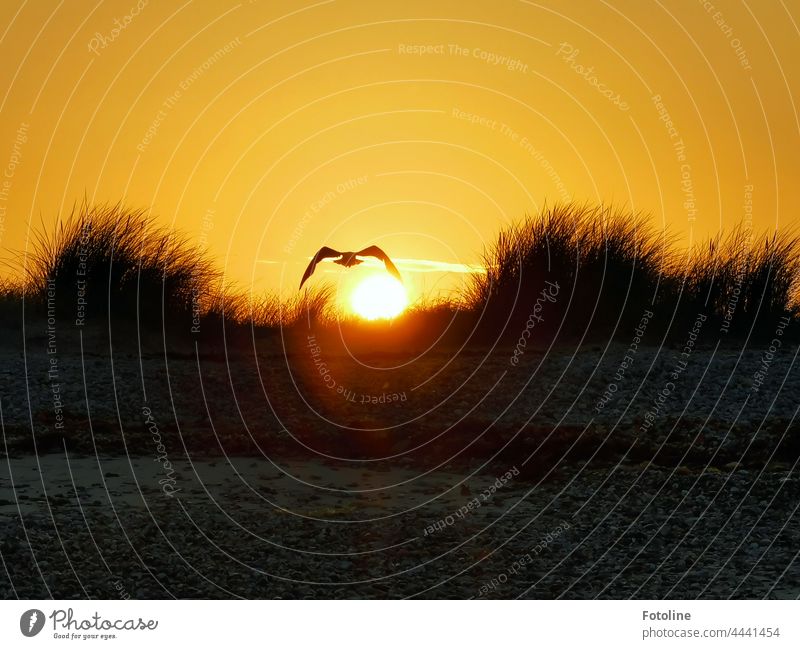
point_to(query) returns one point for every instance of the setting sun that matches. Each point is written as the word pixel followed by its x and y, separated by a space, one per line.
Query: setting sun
pixel 379 296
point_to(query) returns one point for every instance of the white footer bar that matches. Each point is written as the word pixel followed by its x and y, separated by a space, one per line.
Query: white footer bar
pixel 388 624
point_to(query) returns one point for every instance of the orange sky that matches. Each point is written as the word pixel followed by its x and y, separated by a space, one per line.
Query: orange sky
pixel 266 129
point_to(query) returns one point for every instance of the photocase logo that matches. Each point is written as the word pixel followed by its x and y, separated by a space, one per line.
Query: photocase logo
pixel 31 622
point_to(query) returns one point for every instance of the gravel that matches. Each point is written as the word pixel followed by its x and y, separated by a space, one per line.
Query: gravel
pixel 201 476
pixel 237 529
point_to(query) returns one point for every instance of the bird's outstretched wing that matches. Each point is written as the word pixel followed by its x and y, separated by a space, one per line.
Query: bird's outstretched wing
pixel 324 253
pixel 374 251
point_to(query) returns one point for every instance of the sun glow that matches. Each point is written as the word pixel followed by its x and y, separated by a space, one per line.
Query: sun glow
pixel 379 296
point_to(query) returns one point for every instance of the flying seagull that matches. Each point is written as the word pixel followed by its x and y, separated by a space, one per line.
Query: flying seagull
pixel 348 259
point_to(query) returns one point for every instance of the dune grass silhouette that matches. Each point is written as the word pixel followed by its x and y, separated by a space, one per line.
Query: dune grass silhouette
pixel 609 266
pixel 122 266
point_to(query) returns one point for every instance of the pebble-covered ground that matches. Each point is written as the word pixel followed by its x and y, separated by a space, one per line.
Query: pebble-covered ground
pixel 241 528
pixel 292 472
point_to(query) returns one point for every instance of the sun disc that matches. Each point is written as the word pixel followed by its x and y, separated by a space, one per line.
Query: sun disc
pixel 379 296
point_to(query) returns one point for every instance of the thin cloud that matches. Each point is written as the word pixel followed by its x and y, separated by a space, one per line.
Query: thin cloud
pixel 432 266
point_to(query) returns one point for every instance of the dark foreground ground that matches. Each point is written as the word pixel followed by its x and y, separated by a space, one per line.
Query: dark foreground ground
pixel 450 476
pixel 242 528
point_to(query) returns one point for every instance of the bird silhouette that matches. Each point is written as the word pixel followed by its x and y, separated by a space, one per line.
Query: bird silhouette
pixel 348 259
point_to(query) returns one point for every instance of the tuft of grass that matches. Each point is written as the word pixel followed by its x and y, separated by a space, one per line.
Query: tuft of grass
pixel 744 283
pixel 607 264
pixel 121 265
pixel 612 267
pixel 312 306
